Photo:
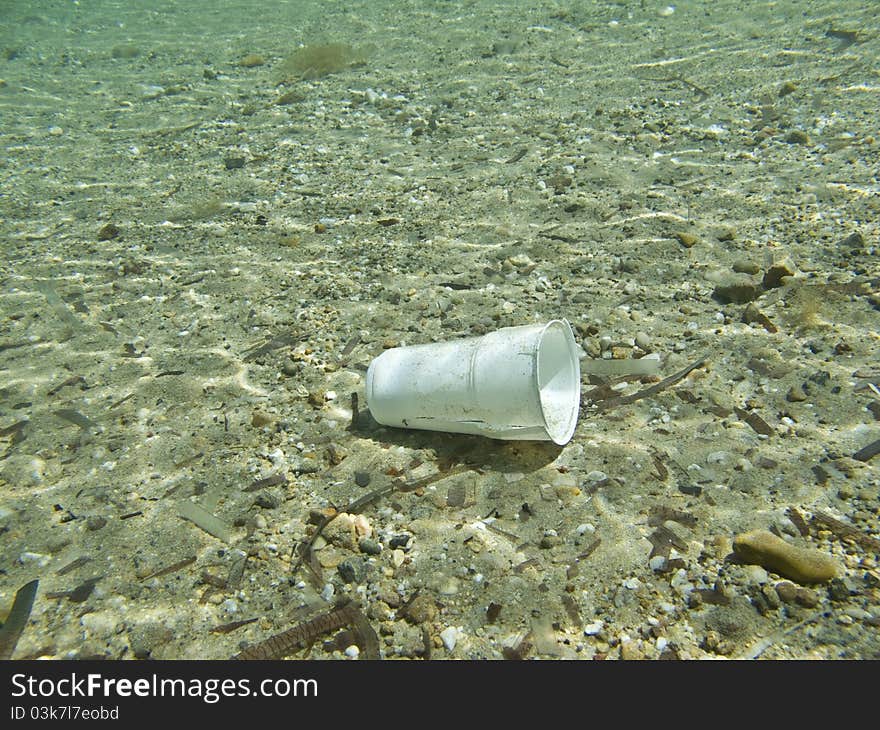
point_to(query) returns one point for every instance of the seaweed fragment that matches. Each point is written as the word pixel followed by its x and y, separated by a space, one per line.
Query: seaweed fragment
pixel 78 594
pixel 285 339
pixel 590 549
pixel 662 540
pixel 16 432
pixel 570 606
pixel 73 565
pixel 364 634
pixel 204 519
pixel 661 513
pixel 72 380
pixel 75 417
pixel 270 481
pixel 757 424
pixel 304 634
pixel 17 618
pixel 607 402
pixel 179 565
pixel 232 626
pixel 868 452
pixel 843 531
pixel 797 520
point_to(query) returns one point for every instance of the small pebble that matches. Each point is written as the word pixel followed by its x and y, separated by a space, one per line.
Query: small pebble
pixel 352 651
pixel 746 267
pixel 688 240
pixel 643 341
pixel 369 546
pixel 777 273
pixel 449 636
pixel 95 522
pixel 593 629
pixel 362 478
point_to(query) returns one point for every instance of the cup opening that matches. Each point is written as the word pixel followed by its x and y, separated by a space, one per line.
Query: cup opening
pixel 559 381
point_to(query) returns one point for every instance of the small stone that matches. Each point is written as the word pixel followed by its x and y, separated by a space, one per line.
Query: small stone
pixel 362 478
pixel 806 598
pixel 251 60
pixel 853 241
pixel 329 557
pixel 795 394
pixel 449 636
pixel 341 531
pixel 630 651
pixel 108 232
pixel 838 590
pixel 786 590
pixel 726 233
pixel 352 652
pixel 421 610
pixel 95 522
pixel 593 628
pixel 738 292
pixel 803 565
pixel 746 267
pixel 775 276
pixel 336 454
pixel 369 546
pixel 350 570
pixel 260 419
pixel 289 367
pixel 147 638
pixel 643 341
pixel 688 240
pixel 234 163
pixel 787 87
pixel 797 136
pixel 267 500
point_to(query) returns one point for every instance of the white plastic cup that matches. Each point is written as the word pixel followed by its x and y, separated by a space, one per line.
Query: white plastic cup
pixel 515 383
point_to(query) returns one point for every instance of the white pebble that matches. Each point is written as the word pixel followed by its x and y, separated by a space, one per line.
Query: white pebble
pixel 585 528
pixel 596 476
pixel 449 637
pixel 658 563
pixel 594 628
pixel 352 651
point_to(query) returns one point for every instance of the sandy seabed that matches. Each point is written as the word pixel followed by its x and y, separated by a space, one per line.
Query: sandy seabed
pixel 206 240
